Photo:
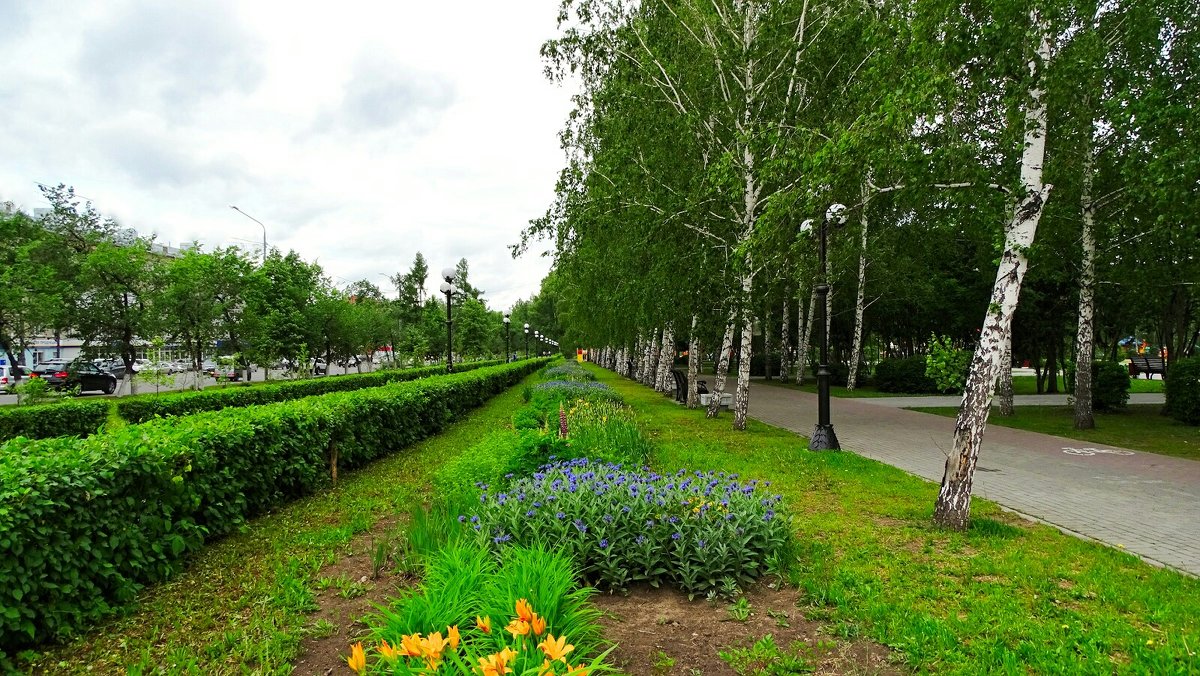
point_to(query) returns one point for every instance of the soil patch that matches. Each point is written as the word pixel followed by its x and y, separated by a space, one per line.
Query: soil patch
pixel 659 632
pixel 349 594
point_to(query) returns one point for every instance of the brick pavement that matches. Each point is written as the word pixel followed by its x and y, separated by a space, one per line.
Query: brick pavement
pixel 1148 503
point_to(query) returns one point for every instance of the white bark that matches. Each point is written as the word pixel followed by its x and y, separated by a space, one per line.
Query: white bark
pixel 666 362
pixel 694 359
pixel 953 506
pixel 766 331
pixel 741 397
pixel 714 400
pixel 1005 386
pixel 806 337
pixel 1085 339
pixel 785 337
pixel 856 348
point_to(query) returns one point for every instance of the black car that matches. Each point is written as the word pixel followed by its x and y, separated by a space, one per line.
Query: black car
pixel 84 374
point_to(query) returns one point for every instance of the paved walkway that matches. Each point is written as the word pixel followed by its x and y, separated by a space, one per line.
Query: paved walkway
pixel 1148 503
pixel 1018 400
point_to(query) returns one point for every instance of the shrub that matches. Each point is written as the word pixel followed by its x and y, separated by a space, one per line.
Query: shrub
pixel 114 511
pixel 526 418
pixel 146 407
pixel 905 375
pixel 548 395
pixel 839 373
pixel 464 582
pixel 78 418
pixel 702 532
pixel 605 431
pixel 946 365
pixel 1182 387
pixel 567 371
pixel 1110 385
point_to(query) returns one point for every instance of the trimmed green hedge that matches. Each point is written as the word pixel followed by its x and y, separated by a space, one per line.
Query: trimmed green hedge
pixel 65 419
pixel 85 523
pixel 147 407
pixel 905 376
pixel 1182 389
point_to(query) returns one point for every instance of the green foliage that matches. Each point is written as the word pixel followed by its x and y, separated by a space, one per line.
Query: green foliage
pixel 147 407
pixel 698 531
pixel 1183 390
pixel 1110 385
pixel 85 522
pixel 464 580
pixel 34 391
pixel 484 463
pixel 78 418
pixel 570 370
pixel 905 375
pixel 605 431
pixel 946 365
pixel 526 418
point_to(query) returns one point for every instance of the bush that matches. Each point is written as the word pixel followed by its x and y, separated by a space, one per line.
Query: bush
pixel 73 418
pixel 548 395
pixel 1182 387
pixel 840 373
pixel 84 523
pixel 146 407
pixel 904 376
pixel 946 365
pixel 702 532
pixel 1110 385
pixel 604 431
pixel 567 371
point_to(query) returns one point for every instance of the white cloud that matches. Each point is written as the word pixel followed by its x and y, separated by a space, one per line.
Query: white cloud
pixel 359 135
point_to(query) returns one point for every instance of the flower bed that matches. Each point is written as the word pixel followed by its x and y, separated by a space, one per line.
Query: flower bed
pixel 704 532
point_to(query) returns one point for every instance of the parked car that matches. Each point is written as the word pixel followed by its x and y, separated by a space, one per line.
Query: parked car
pixel 84 374
pixel 49 366
pixel 319 367
pixel 6 376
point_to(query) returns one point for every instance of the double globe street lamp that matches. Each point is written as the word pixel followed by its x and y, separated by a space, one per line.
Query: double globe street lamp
pixel 823 437
pixel 507 321
pixel 447 288
pixel 527 340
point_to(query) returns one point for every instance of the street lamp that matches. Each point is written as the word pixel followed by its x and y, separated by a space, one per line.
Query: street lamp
pixel 447 288
pixel 823 437
pixel 527 340
pixel 260 223
pixel 507 321
pixel 537 343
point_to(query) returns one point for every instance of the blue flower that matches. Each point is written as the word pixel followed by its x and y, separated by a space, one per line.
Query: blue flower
pixel 560 515
pixel 625 509
pixel 581 526
pixel 640 539
pixel 769 515
pixel 676 535
pixel 604 544
pixel 461 518
pixel 649 523
pixel 700 544
pixel 537 504
pixel 530 512
pixel 608 518
pixel 475 519
pixel 500 539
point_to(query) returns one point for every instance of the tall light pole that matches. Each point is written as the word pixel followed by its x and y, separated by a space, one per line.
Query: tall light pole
pixel 537 344
pixel 527 340
pixel 448 289
pixel 823 437
pixel 260 223
pixel 507 321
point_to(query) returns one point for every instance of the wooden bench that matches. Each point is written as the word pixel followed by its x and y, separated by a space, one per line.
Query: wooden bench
pixel 1147 365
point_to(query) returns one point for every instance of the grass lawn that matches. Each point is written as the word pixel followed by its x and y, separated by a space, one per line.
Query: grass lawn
pixel 1006 596
pixel 1140 427
pixel 242 605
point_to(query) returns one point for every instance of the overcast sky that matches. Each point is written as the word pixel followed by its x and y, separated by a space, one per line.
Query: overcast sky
pixel 358 132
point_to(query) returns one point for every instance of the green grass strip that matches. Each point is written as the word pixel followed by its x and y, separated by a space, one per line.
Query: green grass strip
pixel 242 604
pixel 1140 427
pixel 1006 596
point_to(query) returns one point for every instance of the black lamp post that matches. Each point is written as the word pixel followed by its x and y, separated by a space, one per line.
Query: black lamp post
pixel 537 343
pixel 448 289
pixel 507 321
pixel 527 340
pixel 823 437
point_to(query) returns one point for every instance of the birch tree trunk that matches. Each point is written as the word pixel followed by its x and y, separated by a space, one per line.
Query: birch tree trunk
pixel 1085 338
pixel 694 359
pixel 666 361
pixel 766 331
pixel 806 338
pixel 714 398
pixel 953 506
pixel 741 397
pixel 1005 387
pixel 856 349
pixel 785 337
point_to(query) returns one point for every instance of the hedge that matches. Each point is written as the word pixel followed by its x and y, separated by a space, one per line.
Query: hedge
pixel 64 419
pixel 85 523
pixel 1182 389
pixel 147 407
pixel 905 375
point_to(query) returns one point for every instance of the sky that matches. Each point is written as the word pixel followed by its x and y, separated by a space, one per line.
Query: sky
pixel 359 133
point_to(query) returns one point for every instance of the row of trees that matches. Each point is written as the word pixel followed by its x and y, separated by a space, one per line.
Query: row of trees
pixel 74 273
pixel 710 136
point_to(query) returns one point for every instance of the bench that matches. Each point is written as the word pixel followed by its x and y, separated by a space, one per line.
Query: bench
pixel 1147 365
pixel 681 386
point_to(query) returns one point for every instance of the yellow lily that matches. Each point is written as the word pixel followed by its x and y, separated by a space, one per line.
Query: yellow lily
pixel 556 649
pixel 358 659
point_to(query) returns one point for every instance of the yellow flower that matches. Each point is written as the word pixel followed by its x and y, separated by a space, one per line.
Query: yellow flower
pixel 524 611
pixel 546 669
pixel 357 660
pixel 484 624
pixel 452 637
pixel 518 627
pixel 556 649
pixel 497 664
pixel 389 653
pixel 538 624
pixel 433 646
pixel 578 669
pixel 410 645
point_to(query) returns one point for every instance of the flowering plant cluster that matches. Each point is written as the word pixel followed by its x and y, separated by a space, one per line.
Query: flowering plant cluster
pixel 699 531
pixel 606 431
pixel 485 652
pixel 568 371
